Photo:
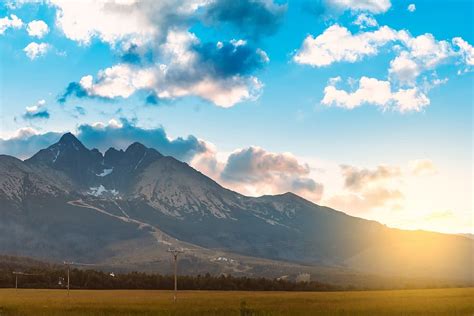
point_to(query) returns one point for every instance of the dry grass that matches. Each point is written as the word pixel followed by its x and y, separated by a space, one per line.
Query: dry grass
pixel 138 302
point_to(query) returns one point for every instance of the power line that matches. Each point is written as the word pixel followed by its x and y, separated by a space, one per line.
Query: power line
pixel 17 273
pixel 68 264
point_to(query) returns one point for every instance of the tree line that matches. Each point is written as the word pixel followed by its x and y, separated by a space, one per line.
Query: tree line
pixel 54 278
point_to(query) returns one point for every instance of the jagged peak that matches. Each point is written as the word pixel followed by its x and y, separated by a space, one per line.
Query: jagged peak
pixel 69 138
pixel 136 146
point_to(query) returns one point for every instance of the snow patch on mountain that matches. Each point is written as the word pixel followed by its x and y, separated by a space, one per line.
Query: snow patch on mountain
pixel 58 152
pixel 105 172
pixel 101 190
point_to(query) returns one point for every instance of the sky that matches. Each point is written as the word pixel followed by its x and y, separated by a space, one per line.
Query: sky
pixel 363 106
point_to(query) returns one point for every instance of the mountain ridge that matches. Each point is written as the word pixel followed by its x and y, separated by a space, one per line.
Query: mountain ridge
pixel 67 200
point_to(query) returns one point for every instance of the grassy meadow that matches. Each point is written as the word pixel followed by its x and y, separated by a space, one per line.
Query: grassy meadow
pixel 144 302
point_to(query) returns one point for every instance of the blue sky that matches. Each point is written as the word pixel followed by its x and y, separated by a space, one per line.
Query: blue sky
pixel 247 85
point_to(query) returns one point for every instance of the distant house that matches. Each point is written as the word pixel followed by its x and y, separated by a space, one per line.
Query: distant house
pixel 303 277
pixel 283 278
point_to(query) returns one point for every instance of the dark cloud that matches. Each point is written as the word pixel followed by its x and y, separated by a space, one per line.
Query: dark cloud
pixel 42 114
pixel 80 110
pixel 152 99
pixel 102 136
pixel 131 55
pixel 26 145
pixel 137 55
pixel 254 18
pixel 74 89
pixel 230 58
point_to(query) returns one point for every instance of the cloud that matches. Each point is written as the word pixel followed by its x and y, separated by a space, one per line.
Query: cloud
pixel 466 51
pixel 369 200
pixel 365 21
pixel 404 68
pixel 140 23
pixel 372 6
pixel 161 57
pixel 428 51
pixel 255 164
pixel 37 28
pixel 356 179
pixel 337 44
pixel 422 167
pixel 37 111
pixel 368 189
pixel 375 92
pixel 121 80
pixel 118 134
pixel 112 22
pixel 411 7
pixel 255 171
pixel 252 171
pixel 34 50
pixel 217 72
pixel 26 142
pixel 253 17
pixel 411 73
pixel 420 54
pixel 73 89
pixel 10 22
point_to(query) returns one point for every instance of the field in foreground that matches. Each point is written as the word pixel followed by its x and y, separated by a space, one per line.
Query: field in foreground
pixel 142 302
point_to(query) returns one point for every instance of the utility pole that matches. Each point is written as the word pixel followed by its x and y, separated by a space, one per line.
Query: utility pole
pixel 16 279
pixel 175 253
pixel 68 265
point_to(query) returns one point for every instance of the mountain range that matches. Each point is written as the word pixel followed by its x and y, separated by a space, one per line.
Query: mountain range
pixel 125 208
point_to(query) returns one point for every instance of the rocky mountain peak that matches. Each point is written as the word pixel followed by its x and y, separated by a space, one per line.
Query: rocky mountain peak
pixel 136 147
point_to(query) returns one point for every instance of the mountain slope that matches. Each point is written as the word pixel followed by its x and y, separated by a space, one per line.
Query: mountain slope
pixel 69 201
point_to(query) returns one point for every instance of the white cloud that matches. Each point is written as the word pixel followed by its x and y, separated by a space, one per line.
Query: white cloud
pixel 423 53
pixel 37 111
pixel 364 21
pixel 411 7
pixel 10 22
pixel 34 50
pixel 408 100
pixel 120 80
pixel 370 91
pixel 24 132
pixel 404 68
pixel 182 75
pixel 415 56
pixel 338 44
pixel 373 6
pixel 428 51
pixel 37 28
pixel 465 50
pixel 375 92
pixel 112 21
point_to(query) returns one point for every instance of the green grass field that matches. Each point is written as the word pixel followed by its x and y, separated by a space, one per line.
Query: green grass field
pixel 140 302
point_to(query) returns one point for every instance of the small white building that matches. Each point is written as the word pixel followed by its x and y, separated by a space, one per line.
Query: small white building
pixel 303 277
